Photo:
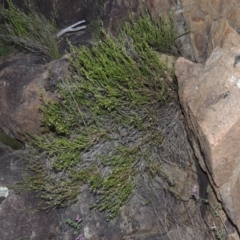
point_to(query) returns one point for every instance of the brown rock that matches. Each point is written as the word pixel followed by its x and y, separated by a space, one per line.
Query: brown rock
pixel 22 81
pixel 207 21
pixel 210 97
pixel 158 7
pixel 233 18
pixel 229 194
pixel 115 12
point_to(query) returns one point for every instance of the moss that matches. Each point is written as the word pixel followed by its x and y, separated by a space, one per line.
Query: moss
pixel 104 130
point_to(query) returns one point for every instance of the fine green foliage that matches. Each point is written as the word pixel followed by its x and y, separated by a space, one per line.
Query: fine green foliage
pixel 75 225
pixel 30 31
pixel 160 36
pixel 104 129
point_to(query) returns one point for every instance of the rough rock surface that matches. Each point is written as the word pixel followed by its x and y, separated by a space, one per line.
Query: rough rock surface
pixel 152 213
pixel 209 23
pixel 19 218
pixel 161 208
pixel 141 219
pixel 22 81
pixel 209 95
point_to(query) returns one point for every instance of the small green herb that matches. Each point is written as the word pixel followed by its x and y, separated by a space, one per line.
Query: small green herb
pixel 75 225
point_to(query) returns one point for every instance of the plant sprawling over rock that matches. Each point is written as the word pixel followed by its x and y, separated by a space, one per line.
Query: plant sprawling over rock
pixel 105 128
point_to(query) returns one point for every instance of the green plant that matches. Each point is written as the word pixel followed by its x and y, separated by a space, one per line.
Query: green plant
pixel 30 31
pixel 104 130
pixel 160 36
pixel 220 235
pixel 76 225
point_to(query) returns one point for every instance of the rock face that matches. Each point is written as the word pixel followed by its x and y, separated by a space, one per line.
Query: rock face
pixel 210 98
pixel 152 213
pixel 209 22
pixel 209 94
pixel 142 218
pixel 22 81
pixel 18 216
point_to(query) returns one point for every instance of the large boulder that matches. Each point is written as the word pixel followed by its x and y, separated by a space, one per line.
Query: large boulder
pixel 209 95
pixel 23 80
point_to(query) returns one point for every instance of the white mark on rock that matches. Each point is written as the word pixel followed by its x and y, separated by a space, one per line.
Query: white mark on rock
pixel 238 83
pixel 178 11
pixel 87 232
pixel 232 79
pixel 33 235
pixel 4 192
